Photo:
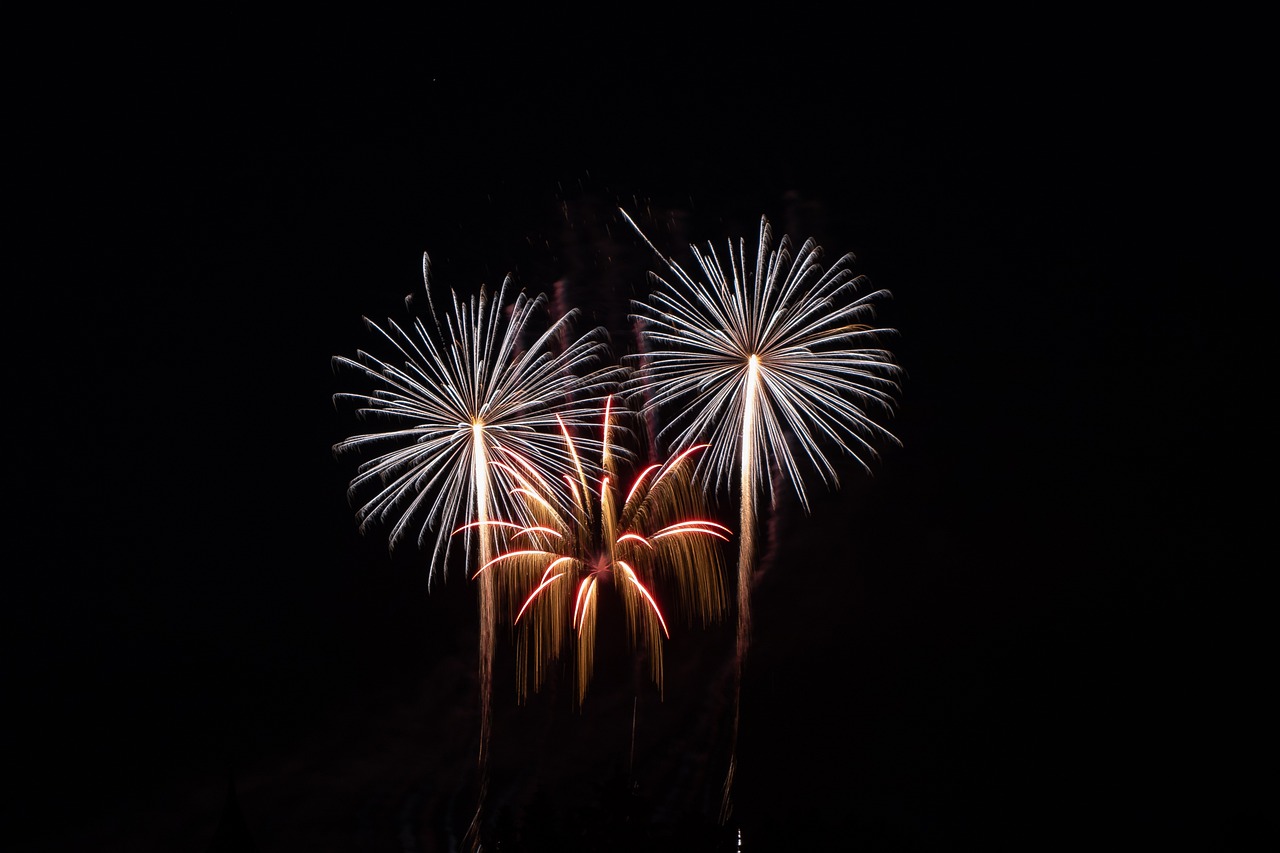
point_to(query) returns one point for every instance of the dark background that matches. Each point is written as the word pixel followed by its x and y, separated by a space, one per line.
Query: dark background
pixel 1034 627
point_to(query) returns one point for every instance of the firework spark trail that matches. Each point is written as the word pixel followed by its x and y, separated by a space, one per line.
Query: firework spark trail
pixel 453 396
pixel 769 363
pixel 552 574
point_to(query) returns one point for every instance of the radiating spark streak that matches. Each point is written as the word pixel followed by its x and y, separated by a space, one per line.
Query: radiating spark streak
pixel 697 523
pixel 634 537
pixel 676 460
pixel 555 563
pixel 631 576
pixel 526 474
pixel 531 530
pixel 527 493
pixel 644 475
pixel 574 493
pixel 715 533
pixel 573 454
pixel 509 555
pixel 585 590
pixel 489 523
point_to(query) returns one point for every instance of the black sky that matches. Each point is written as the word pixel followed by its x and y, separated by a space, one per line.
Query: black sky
pixel 1029 629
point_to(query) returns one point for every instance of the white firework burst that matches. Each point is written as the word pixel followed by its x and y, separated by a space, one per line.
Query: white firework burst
pixel 453 395
pixel 450 394
pixel 771 363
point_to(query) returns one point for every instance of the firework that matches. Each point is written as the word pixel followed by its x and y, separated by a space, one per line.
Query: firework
pixel 585 537
pixel 448 397
pixel 772 361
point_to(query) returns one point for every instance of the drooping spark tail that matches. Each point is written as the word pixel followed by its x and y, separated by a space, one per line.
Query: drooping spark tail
pixel 772 363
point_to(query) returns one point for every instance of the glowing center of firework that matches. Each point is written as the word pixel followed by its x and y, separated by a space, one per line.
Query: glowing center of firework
pixel 753 379
pixel 602 568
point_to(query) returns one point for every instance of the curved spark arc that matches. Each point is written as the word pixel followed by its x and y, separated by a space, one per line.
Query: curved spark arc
pixel 771 363
pixel 454 393
pixel 632 547
pixel 547 581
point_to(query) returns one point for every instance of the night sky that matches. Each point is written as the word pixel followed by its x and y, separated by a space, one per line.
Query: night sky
pixel 1031 627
